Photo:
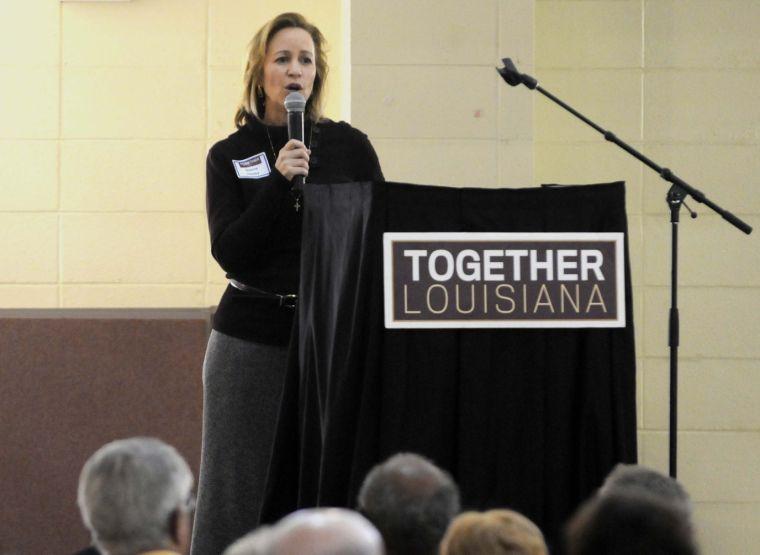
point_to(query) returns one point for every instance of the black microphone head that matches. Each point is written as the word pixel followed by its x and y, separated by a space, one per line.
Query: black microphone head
pixel 295 102
pixel 509 73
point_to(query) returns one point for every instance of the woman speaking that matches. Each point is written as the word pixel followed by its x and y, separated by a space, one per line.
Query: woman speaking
pixel 254 222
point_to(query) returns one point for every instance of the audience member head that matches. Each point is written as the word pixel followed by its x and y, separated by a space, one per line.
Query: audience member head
pixel 496 532
pixel 313 532
pixel 629 522
pixel 258 542
pixel 626 476
pixel 135 496
pixel 411 501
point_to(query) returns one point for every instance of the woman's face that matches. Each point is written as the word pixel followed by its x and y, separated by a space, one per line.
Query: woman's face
pixel 290 65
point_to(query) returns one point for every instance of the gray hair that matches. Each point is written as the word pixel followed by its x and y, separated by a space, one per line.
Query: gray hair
pixel 258 542
pixel 313 532
pixel 411 501
pixel 128 491
pixel 633 476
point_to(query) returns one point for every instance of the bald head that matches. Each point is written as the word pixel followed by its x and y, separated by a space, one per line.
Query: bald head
pixel 411 501
pixel 314 532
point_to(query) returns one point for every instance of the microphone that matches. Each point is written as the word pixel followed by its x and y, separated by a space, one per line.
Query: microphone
pixel 513 77
pixel 295 104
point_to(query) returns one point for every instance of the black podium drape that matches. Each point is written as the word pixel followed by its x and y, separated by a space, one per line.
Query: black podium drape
pixel 530 419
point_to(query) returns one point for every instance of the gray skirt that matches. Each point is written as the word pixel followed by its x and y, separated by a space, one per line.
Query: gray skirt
pixel 242 388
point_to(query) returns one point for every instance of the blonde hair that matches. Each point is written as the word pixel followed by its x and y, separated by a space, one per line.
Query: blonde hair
pixel 253 92
pixel 495 532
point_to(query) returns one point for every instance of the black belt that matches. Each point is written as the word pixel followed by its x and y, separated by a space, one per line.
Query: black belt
pixel 288 301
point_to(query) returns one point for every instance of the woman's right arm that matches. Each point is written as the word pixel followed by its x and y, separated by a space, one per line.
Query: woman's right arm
pixel 241 235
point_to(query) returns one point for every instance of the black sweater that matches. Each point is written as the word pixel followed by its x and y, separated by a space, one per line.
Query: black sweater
pixel 255 229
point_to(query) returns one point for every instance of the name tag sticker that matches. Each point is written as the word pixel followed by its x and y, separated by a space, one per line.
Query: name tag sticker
pixel 253 167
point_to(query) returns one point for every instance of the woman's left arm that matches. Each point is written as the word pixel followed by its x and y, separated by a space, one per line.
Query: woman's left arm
pixel 367 163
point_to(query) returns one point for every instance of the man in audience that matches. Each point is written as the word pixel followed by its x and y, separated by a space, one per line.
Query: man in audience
pixel 135 496
pixel 626 476
pixel 411 501
pixel 630 521
pixel 313 532
pixel 495 532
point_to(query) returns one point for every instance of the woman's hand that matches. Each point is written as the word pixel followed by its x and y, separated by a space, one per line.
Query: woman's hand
pixel 293 159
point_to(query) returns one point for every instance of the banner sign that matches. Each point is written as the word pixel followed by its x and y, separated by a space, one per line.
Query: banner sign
pixel 504 280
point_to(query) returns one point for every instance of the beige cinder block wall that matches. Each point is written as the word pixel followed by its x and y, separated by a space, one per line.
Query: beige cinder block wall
pixel 424 88
pixel 107 109
pixel 679 80
pixel 106 112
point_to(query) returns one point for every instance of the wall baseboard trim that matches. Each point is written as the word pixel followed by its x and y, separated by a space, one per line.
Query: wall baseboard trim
pixel 108 313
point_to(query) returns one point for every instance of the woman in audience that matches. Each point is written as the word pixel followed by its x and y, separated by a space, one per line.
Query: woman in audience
pixel 254 218
pixel 496 532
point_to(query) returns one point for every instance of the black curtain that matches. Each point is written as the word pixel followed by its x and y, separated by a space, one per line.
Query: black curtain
pixel 530 419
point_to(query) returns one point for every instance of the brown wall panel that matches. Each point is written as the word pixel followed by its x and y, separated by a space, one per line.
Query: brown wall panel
pixel 69 385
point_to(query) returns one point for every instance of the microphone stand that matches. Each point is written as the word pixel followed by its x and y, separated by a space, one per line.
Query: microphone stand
pixel 678 191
